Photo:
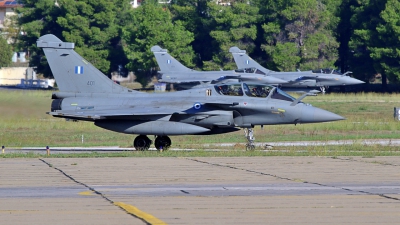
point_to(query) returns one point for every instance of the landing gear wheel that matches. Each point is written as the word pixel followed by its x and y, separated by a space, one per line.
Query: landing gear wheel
pixel 162 143
pixel 142 143
pixel 249 134
pixel 250 147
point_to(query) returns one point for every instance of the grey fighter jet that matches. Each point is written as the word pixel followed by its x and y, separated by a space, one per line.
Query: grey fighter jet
pixel 87 94
pixel 301 80
pixel 174 72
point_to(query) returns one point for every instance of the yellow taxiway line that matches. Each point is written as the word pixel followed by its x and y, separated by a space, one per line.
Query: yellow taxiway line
pixel 140 214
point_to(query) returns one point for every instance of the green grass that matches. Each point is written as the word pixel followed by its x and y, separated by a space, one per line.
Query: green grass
pixel 330 151
pixel 24 123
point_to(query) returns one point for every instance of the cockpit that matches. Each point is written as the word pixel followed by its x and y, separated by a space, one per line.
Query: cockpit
pixel 253 90
pixel 328 71
pixel 250 70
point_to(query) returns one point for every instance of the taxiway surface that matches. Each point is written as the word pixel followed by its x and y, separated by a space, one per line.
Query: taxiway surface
pixel 201 190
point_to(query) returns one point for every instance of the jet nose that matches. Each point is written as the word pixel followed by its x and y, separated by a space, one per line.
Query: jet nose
pixel 316 115
pixel 353 81
pixel 273 80
pixel 321 115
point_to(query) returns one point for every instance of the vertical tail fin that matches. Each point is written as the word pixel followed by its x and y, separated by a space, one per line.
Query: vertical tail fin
pixel 72 72
pixel 242 60
pixel 166 62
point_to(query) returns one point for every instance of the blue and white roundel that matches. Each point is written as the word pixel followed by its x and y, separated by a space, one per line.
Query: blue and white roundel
pixel 197 105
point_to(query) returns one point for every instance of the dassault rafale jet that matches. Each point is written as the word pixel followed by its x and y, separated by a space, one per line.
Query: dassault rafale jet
pixel 87 94
pixel 299 80
pixel 172 71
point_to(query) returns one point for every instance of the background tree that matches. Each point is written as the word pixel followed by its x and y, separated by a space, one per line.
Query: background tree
pixel 235 25
pixel 365 19
pixel 5 52
pixel 38 17
pixel 283 35
pixel 194 16
pixel 298 31
pixel 151 24
pixel 11 31
pixel 386 51
pixel 344 31
pixel 94 27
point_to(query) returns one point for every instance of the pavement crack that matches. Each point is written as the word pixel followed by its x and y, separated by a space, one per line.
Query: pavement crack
pixel 295 180
pixel 92 189
pixel 363 161
pixel 185 192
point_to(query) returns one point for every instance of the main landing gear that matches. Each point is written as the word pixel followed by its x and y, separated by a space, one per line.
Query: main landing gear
pixel 142 143
pixel 162 143
pixel 249 134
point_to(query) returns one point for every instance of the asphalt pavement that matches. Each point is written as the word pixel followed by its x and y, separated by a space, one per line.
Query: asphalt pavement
pixel 201 190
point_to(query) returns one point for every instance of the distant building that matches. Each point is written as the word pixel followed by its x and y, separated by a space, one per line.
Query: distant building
pixel 23 78
pixel 136 3
pixel 224 3
pixel 7 9
pixel 227 2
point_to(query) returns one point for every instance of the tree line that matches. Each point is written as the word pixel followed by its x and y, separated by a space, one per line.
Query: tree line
pixel 362 36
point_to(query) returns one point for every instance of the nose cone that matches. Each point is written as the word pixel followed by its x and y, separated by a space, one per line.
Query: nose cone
pixel 352 81
pixel 311 114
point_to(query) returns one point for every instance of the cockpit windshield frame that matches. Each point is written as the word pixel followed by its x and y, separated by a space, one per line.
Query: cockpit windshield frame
pixel 328 71
pixel 253 90
pixel 250 70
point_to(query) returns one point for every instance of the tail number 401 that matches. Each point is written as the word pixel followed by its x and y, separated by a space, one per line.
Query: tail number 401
pixel 90 83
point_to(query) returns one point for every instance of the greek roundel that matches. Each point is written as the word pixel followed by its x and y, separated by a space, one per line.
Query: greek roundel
pixel 197 105
pixel 78 69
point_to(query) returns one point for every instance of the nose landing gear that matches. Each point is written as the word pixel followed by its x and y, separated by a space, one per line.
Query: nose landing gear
pixel 323 89
pixel 249 134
